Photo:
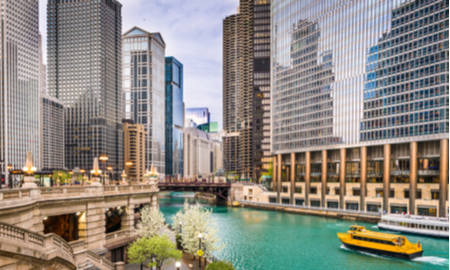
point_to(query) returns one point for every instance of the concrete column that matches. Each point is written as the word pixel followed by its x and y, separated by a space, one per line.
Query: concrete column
pixel 443 180
pixel 324 176
pixel 292 177
pixel 95 224
pixel 154 201
pixel 413 177
pixel 307 176
pixel 279 178
pixel 274 173
pixel 343 158
pixel 363 178
pixel 128 218
pixel 386 176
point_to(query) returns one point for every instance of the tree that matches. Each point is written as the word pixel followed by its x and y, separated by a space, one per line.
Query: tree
pixel 220 265
pixel 151 223
pixel 197 220
pixel 157 251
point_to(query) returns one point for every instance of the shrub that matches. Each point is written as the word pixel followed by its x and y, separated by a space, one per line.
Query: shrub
pixel 220 265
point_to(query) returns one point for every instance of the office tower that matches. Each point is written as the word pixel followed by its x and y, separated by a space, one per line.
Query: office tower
pixel 52 132
pixel 199 116
pixel 360 105
pixel 144 90
pixel 202 154
pixel 174 117
pixel 19 83
pixel 134 149
pixel 42 69
pixel 246 89
pixel 85 71
pixel 211 127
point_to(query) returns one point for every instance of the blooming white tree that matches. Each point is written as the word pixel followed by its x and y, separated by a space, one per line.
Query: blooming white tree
pixel 196 220
pixel 151 223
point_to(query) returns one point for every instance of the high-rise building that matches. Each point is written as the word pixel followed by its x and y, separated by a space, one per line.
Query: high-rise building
pixel 85 71
pixel 174 117
pixel 360 105
pixel 42 69
pixel 19 83
pixel 199 116
pixel 144 90
pixel 246 89
pixel 52 132
pixel 134 149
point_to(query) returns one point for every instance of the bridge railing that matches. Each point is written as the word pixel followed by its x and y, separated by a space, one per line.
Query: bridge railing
pixel 9 196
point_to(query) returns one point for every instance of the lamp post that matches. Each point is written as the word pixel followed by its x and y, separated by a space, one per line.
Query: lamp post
pixel 82 171
pixel 199 248
pixel 104 158
pixel 178 265
pixel 110 168
pixel 129 164
pixel 9 175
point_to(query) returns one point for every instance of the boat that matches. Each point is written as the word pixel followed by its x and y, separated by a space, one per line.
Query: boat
pixel 360 239
pixel 421 225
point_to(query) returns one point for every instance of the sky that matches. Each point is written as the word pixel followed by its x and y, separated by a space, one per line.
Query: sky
pixel 192 31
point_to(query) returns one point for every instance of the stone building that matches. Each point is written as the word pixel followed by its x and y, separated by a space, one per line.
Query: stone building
pixel 134 149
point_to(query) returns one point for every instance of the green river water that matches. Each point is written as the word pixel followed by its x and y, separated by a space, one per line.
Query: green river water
pixel 257 239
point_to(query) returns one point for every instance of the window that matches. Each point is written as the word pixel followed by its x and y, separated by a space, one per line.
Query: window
pixel 422 211
pixel 315 203
pixel 379 193
pixel 435 194
pixel 333 205
pixel 352 206
pixel 398 209
pixel 337 191
pixel 285 189
pixel 299 202
pixel 392 193
pixel 272 199
pixel 313 190
pixel 373 208
pixel 406 194
pixel 419 194
pixel 285 201
pixel 298 190
pixel 356 192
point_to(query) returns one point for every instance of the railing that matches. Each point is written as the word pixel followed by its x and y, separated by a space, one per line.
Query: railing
pixel 99 262
pixel 114 236
pixel 77 245
pixel 72 191
pixel 337 210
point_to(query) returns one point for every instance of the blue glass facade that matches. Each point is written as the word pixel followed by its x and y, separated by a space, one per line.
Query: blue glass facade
pixel 174 117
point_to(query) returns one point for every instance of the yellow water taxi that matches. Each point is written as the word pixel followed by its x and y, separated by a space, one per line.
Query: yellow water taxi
pixel 358 238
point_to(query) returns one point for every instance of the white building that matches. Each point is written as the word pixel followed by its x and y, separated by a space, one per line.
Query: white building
pixel 202 154
pixel 19 83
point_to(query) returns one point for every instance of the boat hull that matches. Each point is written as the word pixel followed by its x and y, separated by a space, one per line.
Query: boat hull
pixel 422 233
pixel 385 253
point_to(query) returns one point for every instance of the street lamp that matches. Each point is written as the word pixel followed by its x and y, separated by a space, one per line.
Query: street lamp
pixel 110 168
pixel 104 158
pixel 199 248
pixel 82 171
pixel 178 265
pixel 129 164
pixel 9 175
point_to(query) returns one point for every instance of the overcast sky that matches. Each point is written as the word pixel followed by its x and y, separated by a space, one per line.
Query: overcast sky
pixel 192 31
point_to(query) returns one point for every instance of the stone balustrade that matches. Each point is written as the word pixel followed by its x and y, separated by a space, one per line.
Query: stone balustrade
pixel 7 195
pixel 116 236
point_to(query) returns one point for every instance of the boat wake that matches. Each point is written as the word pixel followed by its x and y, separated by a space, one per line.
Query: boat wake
pixel 375 227
pixel 432 260
pixel 361 252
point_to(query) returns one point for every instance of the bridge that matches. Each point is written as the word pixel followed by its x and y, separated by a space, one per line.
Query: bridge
pixel 221 190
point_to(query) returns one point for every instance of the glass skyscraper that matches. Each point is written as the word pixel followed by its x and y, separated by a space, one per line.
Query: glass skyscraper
pixel 174 117
pixel 19 83
pixel 85 72
pixel 200 116
pixel 360 104
pixel 144 90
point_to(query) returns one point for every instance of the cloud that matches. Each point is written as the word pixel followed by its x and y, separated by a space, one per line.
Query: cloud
pixel 192 31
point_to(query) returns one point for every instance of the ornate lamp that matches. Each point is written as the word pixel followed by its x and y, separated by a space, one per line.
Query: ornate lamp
pixel 28 171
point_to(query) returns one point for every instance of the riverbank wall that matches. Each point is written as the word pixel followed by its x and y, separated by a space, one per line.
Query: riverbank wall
pixel 357 216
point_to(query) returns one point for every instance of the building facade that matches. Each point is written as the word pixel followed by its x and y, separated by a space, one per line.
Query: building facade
pixel 19 83
pixel 202 155
pixel 174 117
pixel 134 149
pixel 360 105
pixel 52 133
pixel 85 72
pixel 199 116
pixel 42 69
pixel 144 90
pixel 246 89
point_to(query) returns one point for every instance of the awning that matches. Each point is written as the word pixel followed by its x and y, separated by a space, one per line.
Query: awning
pixel 398 205
pixel 352 202
pixel 427 206
pixel 356 188
pixel 373 203
pixel 336 201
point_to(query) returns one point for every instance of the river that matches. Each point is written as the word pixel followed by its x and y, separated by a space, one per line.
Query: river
pixel 257 239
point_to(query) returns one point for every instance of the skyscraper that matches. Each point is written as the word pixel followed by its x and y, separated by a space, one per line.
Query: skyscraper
pixel 246 89
pixel 42 69
pixel 19 83
pixel 360 104
pixel 144 90
pixel 174 117
pixel 200 116
pixel 85 72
